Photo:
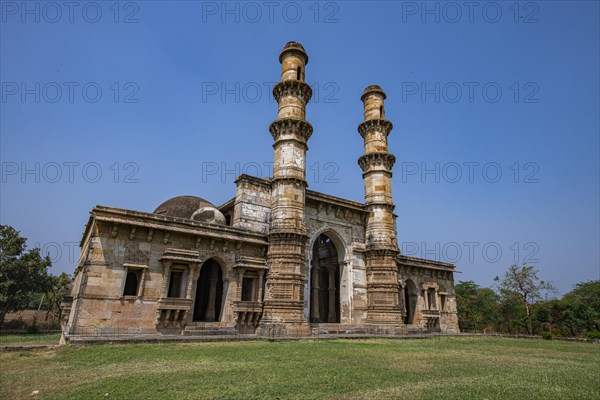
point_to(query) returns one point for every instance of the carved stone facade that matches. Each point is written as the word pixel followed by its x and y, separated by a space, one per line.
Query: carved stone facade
pixel 277 259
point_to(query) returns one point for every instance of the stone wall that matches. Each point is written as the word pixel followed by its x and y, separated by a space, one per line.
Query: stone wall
pixel 343 222
pixel 252 207
pixel 109 251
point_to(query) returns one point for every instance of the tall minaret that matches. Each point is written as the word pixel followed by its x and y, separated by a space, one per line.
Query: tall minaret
pixel 284 292
pixel 381 243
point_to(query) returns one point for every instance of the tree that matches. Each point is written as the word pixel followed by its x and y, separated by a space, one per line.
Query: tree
pixel 58 288
pixel 477 306
pixel 22 272
pixel 524 283
pixel 580 308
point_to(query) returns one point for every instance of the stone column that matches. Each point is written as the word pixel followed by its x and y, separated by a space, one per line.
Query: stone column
pixel 140 292
pixel 191 273
pixel 382 249
pixel 253 290
pixel 332 306
pixel 314 275
pixel 212 294
pixel 166 277
pixel 240 283
pixel 261 274
pixel 401 299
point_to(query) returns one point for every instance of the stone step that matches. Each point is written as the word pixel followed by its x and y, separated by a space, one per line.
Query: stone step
pixel 209 330
pixel 209 333
pixel 337 329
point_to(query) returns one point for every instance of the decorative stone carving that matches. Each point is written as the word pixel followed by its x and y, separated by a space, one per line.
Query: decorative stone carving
pixel 380 125
pixel 291 126
pixel 296 89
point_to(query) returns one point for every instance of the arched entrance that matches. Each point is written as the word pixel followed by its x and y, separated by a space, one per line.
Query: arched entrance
pixel 325 282
pixel 410 301
pixel 209 292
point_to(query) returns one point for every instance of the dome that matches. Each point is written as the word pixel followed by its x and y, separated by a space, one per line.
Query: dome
pixel 210 215
pixel 373 89
pixel 293 47
pixel 182 206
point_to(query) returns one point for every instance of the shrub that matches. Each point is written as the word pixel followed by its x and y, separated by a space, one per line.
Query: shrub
pixel 33 328
pixel 593 334
pixel 547 335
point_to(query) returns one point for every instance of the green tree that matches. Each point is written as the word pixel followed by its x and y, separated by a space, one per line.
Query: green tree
pixel 525 285
pixel 477 306
pixel 58 288
pixel 22 272
pixel 511 313
pixel 586 295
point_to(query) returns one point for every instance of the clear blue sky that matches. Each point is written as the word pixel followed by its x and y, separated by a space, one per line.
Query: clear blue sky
pixel 473 92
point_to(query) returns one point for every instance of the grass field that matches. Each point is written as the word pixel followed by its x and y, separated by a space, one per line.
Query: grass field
pixel 29 339
pixel 441 368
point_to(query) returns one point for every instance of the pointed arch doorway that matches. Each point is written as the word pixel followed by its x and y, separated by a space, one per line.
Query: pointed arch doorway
pixel 325 277
pixel 209 292
pixel 411 295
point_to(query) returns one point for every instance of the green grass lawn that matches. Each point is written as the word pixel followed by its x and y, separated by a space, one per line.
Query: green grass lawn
pixel 441 368
pixel 29 339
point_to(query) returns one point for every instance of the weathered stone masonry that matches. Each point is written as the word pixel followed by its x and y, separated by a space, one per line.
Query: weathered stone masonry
pixel 277 259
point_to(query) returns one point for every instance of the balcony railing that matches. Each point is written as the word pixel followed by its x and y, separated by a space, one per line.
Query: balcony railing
pixel 172 312
pixel 248 313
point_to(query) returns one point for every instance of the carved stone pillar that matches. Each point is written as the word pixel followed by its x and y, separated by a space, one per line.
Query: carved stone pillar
pixel 332 306
pixel 212 294
pixel 261 275
pixel 166 276
pixel 253 290
pixel 401 299
pixel 314 275
pixel 190 283
pixel 142 285
pixel 240 283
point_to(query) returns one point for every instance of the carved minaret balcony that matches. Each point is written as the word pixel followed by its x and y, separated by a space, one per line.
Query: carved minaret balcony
pixel 381 243
pixel 284 302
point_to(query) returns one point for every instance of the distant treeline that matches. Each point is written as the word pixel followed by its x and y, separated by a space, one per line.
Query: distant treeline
pixel 516 306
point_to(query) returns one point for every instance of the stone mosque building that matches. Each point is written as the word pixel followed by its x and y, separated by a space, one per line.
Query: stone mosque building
pixel 276 260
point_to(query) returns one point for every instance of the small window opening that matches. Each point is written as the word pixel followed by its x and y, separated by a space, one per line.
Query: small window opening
pixel 431 299
pixel 381 112
pixel 247 284
pixel 131 284
pixel 443 302
pixel 298 73
pixel 175 284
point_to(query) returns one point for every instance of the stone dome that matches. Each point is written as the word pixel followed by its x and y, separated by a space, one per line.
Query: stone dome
pixel 182 206
pixel 373 89
pixel 209 215
pixel 293 47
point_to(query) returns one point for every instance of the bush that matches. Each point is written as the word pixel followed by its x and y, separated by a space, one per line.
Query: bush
pixel 593 334
pixel 547 335
pixel 14 324
pixel 33 328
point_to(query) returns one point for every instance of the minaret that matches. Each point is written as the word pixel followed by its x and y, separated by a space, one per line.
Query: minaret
pixel 284 292
pixel 381 243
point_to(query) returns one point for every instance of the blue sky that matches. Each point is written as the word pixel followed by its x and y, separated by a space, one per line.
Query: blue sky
pixel 494 104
